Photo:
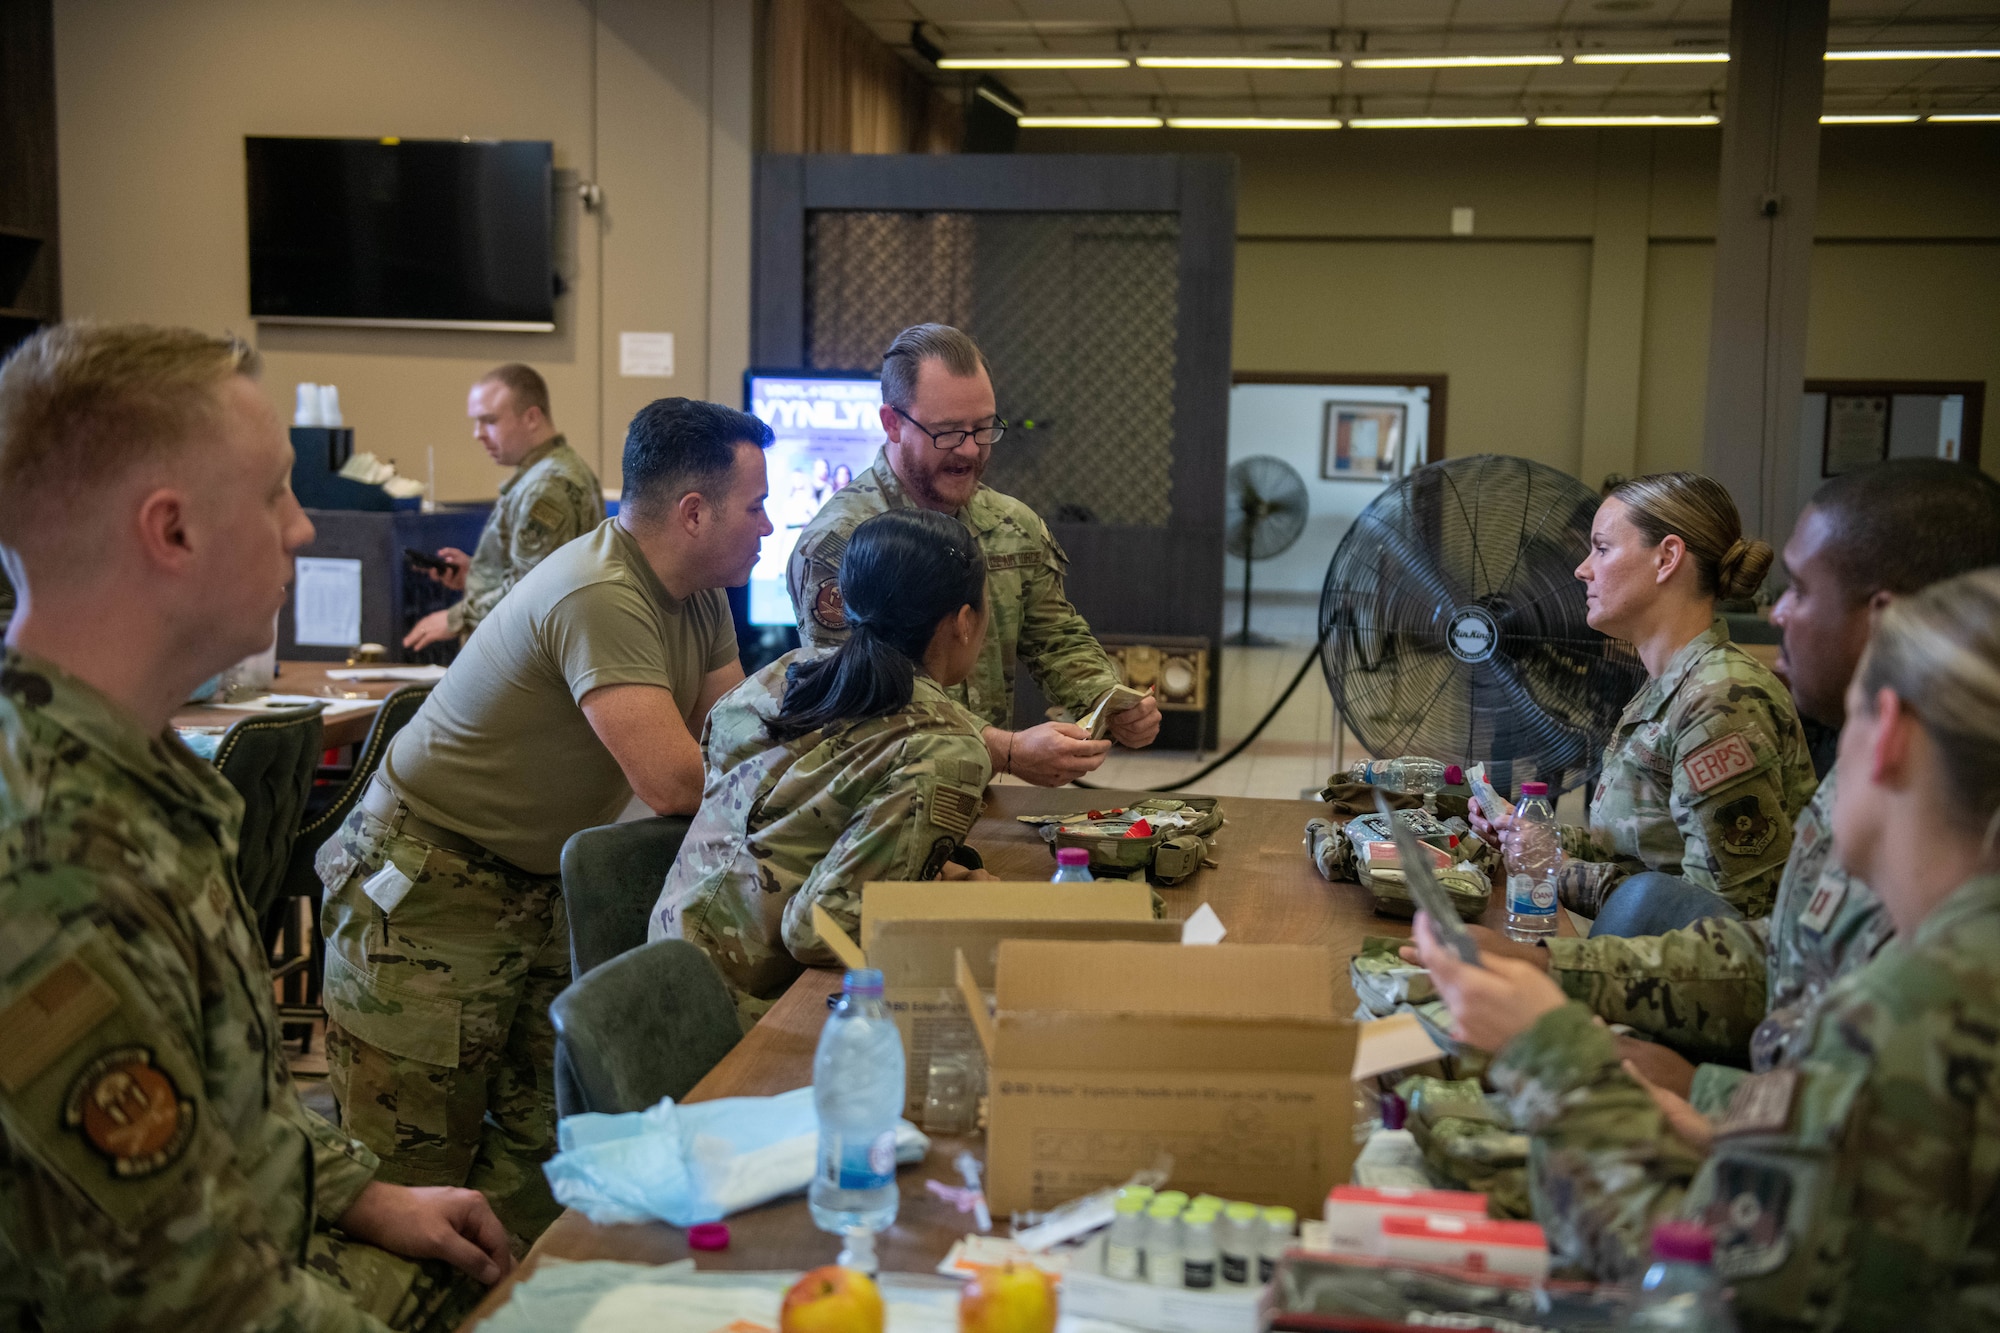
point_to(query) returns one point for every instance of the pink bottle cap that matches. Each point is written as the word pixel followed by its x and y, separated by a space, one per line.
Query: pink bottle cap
pixel 709 1236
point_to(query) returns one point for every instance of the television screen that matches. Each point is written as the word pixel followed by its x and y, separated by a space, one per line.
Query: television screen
pixel 429 233
pixel 828 427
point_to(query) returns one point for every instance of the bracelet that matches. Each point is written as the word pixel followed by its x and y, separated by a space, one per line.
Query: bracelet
pixel 1008 765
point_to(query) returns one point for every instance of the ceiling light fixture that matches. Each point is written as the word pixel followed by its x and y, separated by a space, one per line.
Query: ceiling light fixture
pixel 1034 62
pixel 1583 122
pixel 998 99
pixel 1450 62
pixel 1238 62
pixel 1090 122
pixel 1869 120
pixel 1253 122
pixel 1984 54
pixel 1652 58
pixel 1436 122
pixel 1964 116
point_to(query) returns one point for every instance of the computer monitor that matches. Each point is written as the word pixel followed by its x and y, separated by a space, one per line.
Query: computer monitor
pixel 828 426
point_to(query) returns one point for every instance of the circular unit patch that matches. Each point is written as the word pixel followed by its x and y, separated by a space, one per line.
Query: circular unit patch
pixel 130 1112
pixel 1472 634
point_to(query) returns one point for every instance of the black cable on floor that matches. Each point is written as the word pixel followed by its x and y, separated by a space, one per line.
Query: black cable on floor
pixel 1241 745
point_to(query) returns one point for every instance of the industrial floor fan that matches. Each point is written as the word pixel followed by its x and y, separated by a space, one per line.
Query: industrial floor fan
pixel 1267 512
pixel 1452 623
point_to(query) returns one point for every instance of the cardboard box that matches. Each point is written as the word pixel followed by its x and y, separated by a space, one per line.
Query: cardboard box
pixel 1354 1213
pixel 912 931
pixel 1233 1059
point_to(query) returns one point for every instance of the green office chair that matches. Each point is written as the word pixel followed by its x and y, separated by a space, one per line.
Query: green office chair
pixel 299 959
pixel 612 876
pixel 648 1024
pixel 269 759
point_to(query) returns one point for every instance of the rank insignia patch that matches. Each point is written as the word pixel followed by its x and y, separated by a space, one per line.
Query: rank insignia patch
pixel 130 1112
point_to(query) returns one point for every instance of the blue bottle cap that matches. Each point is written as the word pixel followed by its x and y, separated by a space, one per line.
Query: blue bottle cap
pixel 864 981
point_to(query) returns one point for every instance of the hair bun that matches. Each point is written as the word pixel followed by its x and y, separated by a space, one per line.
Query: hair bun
pixel 1742 568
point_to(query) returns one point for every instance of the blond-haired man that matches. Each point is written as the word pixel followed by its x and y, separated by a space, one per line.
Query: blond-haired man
pixel 551 499
pixel 156 1167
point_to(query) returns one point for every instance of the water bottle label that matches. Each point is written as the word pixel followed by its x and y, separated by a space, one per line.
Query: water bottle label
pixel 865 1165
pixel 1530 897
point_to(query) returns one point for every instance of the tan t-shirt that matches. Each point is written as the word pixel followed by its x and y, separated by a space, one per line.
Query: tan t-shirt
pixel 501 752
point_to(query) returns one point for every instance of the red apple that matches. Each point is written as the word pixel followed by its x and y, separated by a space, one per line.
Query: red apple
pixel 832 1300
pixel 1014 1298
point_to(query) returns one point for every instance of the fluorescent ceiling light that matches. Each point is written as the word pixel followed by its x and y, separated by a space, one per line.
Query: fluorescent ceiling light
pixel 1914 55
pixel 1238 62
pixel 1966 116
pixel 1090 122
pixel 1034 62
pixel 1867 120
pixel 1449 62
pixel 1436 122
pixel 997 100
pixel 1652 58
pixel 1253 123
pixel 1580 122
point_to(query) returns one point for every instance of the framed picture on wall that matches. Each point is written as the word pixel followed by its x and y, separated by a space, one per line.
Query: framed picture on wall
pixel 1363 442
pixel 1857 433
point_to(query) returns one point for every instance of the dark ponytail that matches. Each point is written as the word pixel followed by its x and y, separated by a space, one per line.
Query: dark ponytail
pixel 903 572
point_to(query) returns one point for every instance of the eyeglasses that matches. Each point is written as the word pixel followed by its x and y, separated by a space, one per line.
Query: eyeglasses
pixel 951 439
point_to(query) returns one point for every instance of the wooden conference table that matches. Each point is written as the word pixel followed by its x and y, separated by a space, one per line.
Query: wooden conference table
pixel 1264 890
pixel 349 728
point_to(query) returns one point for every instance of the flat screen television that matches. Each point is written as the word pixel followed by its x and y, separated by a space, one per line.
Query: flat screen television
pixel 416 233
pixel 828 426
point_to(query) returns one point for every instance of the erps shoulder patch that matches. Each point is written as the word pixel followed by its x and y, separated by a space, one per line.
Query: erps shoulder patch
pixel 1718 761
pixel 129 1110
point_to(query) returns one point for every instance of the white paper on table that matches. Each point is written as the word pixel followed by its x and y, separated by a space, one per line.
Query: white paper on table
pixel 326 602
pixel 419 673
pixel 335 709
pixel 1203 927
pixel 1395 1042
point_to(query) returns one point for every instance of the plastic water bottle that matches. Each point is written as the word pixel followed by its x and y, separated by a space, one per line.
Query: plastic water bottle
pixel 1072 866
pixel 858 1092
pixel 1681 1290
pixel 1411 773
pixel 1534 855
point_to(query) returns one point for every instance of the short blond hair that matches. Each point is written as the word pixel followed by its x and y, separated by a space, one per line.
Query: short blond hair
pixel 83 404
pixel 1701 512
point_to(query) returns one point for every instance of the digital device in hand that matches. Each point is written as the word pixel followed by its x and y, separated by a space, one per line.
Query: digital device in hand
pixel 1425 890
pixel 1098 720
pixel 424 560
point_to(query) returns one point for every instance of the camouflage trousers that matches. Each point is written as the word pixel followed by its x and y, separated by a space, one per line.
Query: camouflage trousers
pixel 438 1040
pixel 408 1295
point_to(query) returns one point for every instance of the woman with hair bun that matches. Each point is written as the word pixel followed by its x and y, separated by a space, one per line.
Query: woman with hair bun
pixel 828 770
pixel 1692 816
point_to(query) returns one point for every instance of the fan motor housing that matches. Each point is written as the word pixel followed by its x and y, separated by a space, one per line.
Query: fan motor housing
pixel 1472 634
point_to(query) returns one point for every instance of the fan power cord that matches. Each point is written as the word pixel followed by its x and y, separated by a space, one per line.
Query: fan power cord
pixel 1241 745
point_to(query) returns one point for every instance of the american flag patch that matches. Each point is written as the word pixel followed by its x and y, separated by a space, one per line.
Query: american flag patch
pixel 954 809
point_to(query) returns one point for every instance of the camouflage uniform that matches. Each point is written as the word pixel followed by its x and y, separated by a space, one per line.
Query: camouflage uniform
pixel 785 826
pixel 1853 1186
pixel 1033 620
pixel 1702 779
pixel 156 1167
pixel 439 1010
pixel 1737 991
pixel 552 498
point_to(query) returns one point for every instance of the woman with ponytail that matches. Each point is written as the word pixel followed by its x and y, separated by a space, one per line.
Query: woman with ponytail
pixel 1856 1184
pixel 828 770
pixel 1692 816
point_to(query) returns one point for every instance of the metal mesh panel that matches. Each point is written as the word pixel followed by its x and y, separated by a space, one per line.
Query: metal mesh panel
pixel 1075 311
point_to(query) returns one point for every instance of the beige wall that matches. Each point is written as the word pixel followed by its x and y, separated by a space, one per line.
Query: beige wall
pixel 651 98
pixel 1345 265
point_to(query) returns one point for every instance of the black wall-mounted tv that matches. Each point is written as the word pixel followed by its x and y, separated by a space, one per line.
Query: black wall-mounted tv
pixel 417 233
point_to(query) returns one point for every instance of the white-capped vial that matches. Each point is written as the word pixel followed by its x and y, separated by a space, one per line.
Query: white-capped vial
pixel 1127 1240
pixel 1163 1242
pixel 1199 1257
pixel 1279 1223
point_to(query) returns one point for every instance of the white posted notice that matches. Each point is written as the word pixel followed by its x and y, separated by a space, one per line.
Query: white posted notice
pixel 326 602
pixel 646 355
